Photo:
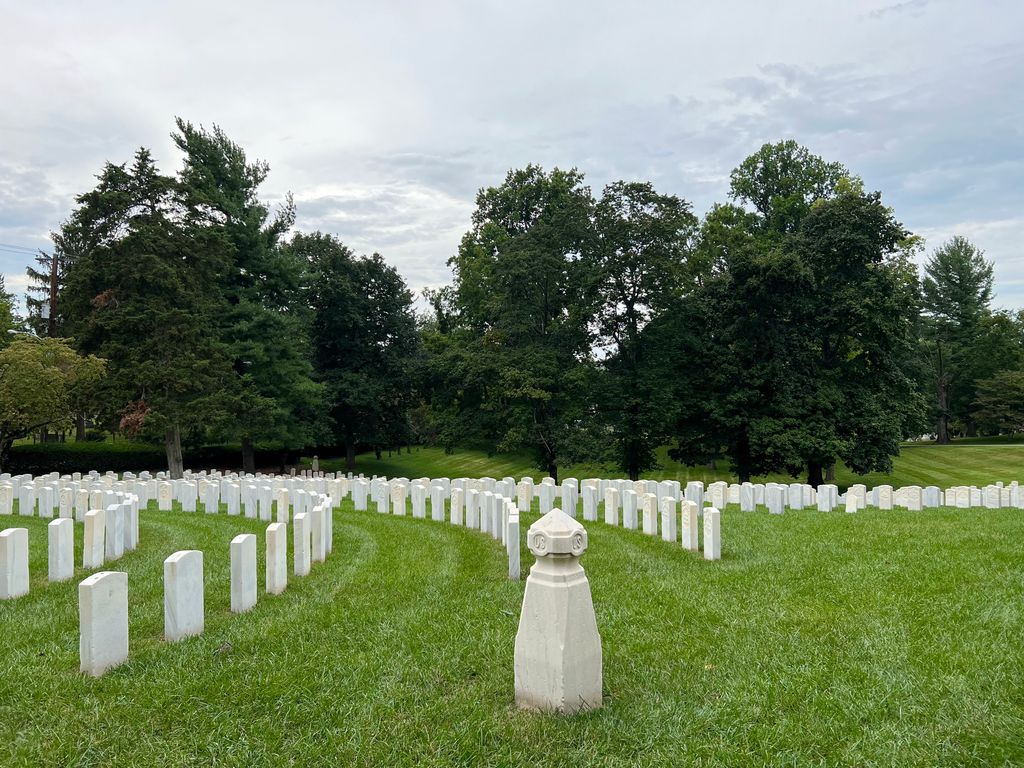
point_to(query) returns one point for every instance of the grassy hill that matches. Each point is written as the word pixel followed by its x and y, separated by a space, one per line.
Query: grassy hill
pixel 964 463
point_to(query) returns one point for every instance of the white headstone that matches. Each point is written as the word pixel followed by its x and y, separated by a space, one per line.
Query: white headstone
pixel 13 563
pixel 302 544
pixel 184 608
pixel 689 525
pixel 669 526
pixel 611 506
pixel 243 572
pixel 92 538
pixel 102 622
pixel 277 558
pixel 60 536
pixel 712 534
pixel 650 514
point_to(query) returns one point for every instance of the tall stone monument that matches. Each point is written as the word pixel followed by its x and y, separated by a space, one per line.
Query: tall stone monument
pixel 558 648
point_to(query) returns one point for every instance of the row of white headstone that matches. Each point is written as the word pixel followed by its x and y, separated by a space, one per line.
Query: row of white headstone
pixel 103 597
pixel 255 496
pixel 108 534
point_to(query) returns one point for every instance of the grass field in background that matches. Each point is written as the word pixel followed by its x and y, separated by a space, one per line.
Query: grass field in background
pixel 885 638
pixel 968 463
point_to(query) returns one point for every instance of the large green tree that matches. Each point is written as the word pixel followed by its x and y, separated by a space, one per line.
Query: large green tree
pixel 263 323
pixel 42 381
pixel 143 293
pixel 999 406
pixel 365 341
pixel 524 294
pixel 957 293
pixel 644 262
pixel 800 334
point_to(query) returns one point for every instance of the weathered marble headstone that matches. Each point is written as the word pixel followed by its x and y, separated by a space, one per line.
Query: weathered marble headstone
pixel 546 495
pixel 747 498
pixel 629 512
pixel 92 538
pixel 60 535
pixel 418 495
pixel 689 525
pixel 6 499
pixel 717 493
pixel 164 496
pixel 243 572
pixel 318 534
pixel 13 563
pixel 558 665
pixel 570 494
pixel 962 496
pixel 27 500
pixel 437 497
pixel 277 558
pixel 695 492
pixel 650 514
pixel 712 534
pixel 113 541
pixel 473 508
pixel 991 497
pixel 184 607
pixel 524 494
pixel 512 545
pixel 102 622
pixel 588 495
pixel 669 525
pixel 774 499
pixel 885 497
pixel 457 506
pixel 611 506
pixel 47 501
pixel 302 544
pixel 66 503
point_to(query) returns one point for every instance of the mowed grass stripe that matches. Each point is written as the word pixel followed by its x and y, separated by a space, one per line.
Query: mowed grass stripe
pixel 917 464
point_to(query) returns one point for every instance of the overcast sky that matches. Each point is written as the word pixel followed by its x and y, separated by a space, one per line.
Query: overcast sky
pixel 384 119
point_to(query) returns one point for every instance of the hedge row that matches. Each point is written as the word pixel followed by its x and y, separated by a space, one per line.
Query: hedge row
pixel 65 458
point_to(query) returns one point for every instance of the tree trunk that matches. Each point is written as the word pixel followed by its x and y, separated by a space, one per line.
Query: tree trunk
pixel 942 424
pixel 172 445
pixel 553 470
pixel 5 451
pixel 814 474
pixel 248 456
pixel 712 465
pixel 376 452
pixel 80 427
pixel 830 473
pixel 349 454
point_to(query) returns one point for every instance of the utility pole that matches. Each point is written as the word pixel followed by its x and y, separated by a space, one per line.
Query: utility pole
pixel 51 321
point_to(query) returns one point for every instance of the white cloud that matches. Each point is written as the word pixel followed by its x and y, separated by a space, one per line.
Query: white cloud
pixel 385 119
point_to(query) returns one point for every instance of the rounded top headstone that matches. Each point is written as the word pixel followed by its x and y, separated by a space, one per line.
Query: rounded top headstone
pixel 556 534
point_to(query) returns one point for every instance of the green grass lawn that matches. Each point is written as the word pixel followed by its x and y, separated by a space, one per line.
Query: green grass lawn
pixel 881 638
pixel 924 464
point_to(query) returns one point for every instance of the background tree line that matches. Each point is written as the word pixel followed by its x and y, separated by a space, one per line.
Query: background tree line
pixel 785 331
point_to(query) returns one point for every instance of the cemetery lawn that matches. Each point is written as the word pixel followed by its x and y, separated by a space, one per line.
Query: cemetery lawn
pixel 970 462
pixel 885 638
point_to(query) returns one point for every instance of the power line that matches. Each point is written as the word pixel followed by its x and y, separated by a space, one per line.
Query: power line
pixel 21 248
